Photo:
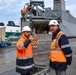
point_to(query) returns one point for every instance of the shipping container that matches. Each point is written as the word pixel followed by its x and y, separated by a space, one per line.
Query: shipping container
pixel 2 33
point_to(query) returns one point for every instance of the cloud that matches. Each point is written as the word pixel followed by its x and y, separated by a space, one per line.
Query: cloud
pixel 11 9
pixel 71 6
pixel 48 3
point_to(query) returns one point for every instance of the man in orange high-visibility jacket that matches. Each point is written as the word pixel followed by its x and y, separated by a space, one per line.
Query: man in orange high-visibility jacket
pixel 24 56
pixel 60 50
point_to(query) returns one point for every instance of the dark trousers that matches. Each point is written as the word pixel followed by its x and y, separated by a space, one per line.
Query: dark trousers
pixel 26 74
pixel 60 72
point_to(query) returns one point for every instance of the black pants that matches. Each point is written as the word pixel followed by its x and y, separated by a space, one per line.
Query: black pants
pixel 26 74
pixel 60 72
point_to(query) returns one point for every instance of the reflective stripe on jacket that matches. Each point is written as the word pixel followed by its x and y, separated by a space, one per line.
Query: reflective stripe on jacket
pixel 24 56
pixel 56 54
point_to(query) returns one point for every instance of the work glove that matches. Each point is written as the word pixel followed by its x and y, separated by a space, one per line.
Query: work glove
pixel 26 43
pixel 69 60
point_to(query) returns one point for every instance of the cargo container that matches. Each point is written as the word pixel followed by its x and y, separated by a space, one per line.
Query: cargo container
pixel 2 33
pixel 2 37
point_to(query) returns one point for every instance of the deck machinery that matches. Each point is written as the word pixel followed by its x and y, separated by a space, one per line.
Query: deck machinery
pixel 35 15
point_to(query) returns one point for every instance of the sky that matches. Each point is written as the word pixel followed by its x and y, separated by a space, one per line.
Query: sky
pixel 10 10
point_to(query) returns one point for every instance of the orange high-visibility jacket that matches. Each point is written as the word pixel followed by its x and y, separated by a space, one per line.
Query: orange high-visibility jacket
pixel 24 56
pixel 56 54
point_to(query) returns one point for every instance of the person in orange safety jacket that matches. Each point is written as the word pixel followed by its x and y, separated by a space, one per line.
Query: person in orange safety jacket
pixel 24 55
pixel 24 11
pixel 60 50
pixel 35 42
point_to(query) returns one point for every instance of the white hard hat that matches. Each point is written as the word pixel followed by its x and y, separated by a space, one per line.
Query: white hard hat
pixel 26 28
pixel 53 22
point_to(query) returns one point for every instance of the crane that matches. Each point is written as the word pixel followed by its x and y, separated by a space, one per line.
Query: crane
pixel 25 9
